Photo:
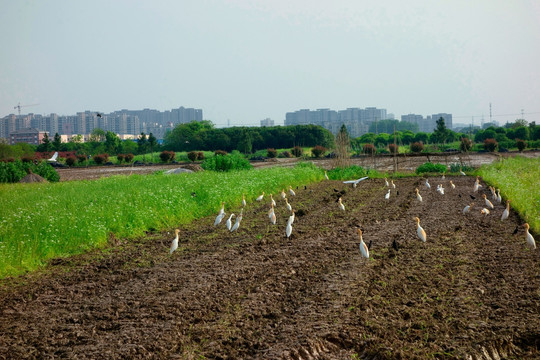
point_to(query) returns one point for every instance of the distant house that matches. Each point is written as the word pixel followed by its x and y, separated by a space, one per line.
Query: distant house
pixel 29 136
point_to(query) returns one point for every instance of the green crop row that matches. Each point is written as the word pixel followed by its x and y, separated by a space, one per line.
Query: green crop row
pixel 43 221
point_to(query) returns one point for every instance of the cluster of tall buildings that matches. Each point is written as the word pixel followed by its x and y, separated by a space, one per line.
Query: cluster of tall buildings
pixel 357 121
pixel 123 122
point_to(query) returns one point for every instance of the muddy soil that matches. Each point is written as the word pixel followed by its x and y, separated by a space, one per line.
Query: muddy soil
pixel 471 291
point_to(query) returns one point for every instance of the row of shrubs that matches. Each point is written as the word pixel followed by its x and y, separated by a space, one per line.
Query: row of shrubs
pixel 465 145
pixel 14 171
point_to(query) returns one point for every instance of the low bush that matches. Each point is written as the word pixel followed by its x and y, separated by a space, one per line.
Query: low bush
pixel 417 147
pixel 226 163
pixel 200 155
pixel 369 149
pixel 121 158
pixel 81 158
pixel 318 151
pixel 220 152
pixel 193 156
pixel 456 167
pixel 430 168
pixel 271 153
pixel 285 154
pixel 101 158
pixel 129 157
pixel 297 151
pixel 27 159
pixel 167 156
pixel 465 144
pixel 521 144
pixel 71 160
pixel 393 148
pixel 490 145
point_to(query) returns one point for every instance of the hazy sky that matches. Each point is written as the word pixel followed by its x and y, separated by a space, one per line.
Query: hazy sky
pixel 247 60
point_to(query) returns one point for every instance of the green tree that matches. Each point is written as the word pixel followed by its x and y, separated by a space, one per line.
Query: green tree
pixel 152 142
pixel 57 142
pixel 440 133
pixel 45 145
pixel 112 143
pixel 142 145
pixel 97 135
pixel 245 144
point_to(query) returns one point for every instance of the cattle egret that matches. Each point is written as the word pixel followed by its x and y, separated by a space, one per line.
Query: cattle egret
pixel 467 208
pixel 387 196
pixel 529 237
pixel 243 200
pixel 272 200
pixel 291 218
pixel 260 197
pixel 326 175
pixel 363 247
pixel 418 196
pixel 272 215
pixel 238 219
pixel 452 184
pixel 355 182
pixel 443 176
pixel 392 183
pixel 477 184
pixel 219 218
pixel 427 184
pixel 506 211
pixel 499 198
pixel 386 183
pixel 493 194
pixel 174 244
pixel 288 229
pixel 484 212
pixel 283 195
pixel 488 203
pixel 271 211
pixel 440 189
pixel 291 191
pixel 289 207
pixel 341 206
pixel 420 231
pixel 229 222
pixel 222 211
pixel 461 172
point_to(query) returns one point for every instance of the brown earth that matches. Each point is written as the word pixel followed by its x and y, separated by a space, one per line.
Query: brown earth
pixel 471 291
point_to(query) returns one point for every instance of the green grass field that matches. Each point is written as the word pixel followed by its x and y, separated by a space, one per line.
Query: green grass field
pixel 43 221
pixel 519 180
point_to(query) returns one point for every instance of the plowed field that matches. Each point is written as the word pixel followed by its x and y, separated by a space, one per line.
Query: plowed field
pixel 473 289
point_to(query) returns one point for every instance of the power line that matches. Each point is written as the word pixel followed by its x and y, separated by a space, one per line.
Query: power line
pixel 522 113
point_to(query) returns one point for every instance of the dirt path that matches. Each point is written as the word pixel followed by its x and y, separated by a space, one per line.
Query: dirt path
pixel 471 289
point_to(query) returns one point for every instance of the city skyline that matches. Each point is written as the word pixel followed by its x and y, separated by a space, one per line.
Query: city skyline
pixel 244 61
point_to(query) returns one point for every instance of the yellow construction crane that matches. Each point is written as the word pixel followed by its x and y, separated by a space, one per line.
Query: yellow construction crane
pixel 19 106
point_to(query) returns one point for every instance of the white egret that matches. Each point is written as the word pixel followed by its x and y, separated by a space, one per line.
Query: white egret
pixel 326 175
pixel 222 211
pixel 174 244
pixel 271 211
pixel 386 183
pixel 243 200
pixel 440 189
pixel 488 203
pixel 392 183
pixel 238 219
pixel 506 211
pixel 291 191
pixel 363 247
pixel 229 222
pixel 420 231
pixel 355 182
pixel 461 172
pixel 288 229
pixel 291 218
pixel 499 198
pixel 272 200
pixel 418 196
pixel 443 176
pixel 427 184
pixel 260 197
pixel 467 208
pixel 289 207
pixel 341 206
pixel 530 240
pixel 387 196
pixel 219 218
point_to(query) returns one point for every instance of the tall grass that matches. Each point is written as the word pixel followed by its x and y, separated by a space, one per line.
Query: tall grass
pixel 519 179
pixel 43 221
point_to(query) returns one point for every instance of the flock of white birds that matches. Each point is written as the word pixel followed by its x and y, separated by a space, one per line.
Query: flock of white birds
pixel 364 249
